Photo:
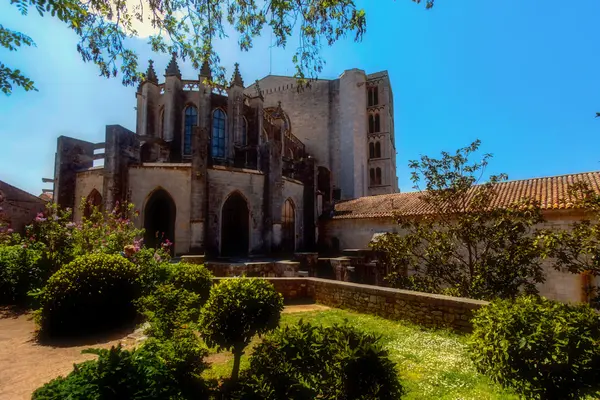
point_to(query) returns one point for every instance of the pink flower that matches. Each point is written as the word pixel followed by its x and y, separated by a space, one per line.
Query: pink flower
pixel 9 231
pixel 157 257
pixel 40 217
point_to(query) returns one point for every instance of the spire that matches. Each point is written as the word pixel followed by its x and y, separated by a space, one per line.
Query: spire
pixel 205 70
pixel 236 80
pixel 150 73
pixel 173 68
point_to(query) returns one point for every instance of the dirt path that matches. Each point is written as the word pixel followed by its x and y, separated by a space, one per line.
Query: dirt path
pixel 26 365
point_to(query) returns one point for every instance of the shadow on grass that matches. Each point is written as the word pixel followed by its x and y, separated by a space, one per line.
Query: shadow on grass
pixel 90 339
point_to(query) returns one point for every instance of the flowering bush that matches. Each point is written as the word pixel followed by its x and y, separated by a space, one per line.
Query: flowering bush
pixel 111 233
pixel 20 272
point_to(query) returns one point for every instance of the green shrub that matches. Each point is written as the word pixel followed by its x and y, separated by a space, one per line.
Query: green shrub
pixel 236 311
pixel 154 268
pixel 20 272
pixel 193 277
pixel 307 362
pixel 91 293
pixel 541 348
pixel 169 309
pixel 157 370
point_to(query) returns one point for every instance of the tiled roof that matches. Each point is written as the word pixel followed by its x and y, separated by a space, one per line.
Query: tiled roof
pixel 550 191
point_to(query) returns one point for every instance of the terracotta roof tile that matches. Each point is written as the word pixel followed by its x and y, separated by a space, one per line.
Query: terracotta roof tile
pixel 550 191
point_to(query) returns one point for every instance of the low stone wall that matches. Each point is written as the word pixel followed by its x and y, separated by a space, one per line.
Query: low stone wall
pixel 429 310
pixel 260 269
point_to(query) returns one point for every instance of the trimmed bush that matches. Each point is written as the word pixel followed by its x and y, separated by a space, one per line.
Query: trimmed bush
pixel 540 348
pixel 156 370
pixel 236 311
pixel 20 272
pixel 92 293
pixel 193 277
pixel 307 362
pixel 169 309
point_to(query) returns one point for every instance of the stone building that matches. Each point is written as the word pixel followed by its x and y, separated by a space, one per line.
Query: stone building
pixel 354 223
pixel 18 208
pixel 237 171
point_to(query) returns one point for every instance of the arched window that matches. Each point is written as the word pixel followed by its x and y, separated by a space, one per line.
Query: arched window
pixel 377 125
pixel 373 96
pixel 244 138
pixel 378 176
pixel 218 134
pixel 371 123
pixel 191 120
pixel 372 176
pixel 377 150
pixel 371 150
pixel 288 227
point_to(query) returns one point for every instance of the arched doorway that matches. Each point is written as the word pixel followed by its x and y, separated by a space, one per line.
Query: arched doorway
pixel 93 200
pixel 235 219
pixel 288 227
pixel 159 219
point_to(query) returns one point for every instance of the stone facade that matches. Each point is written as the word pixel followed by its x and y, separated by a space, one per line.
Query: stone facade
pixel 357 233
pixel 19 208
pixel 331 117
pixel 429 310
pixel 232 171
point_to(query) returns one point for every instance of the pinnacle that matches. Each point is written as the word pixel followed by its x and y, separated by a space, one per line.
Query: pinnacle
pixel 236 80
pixel 173 68
pixel 150 73
pixel 205 70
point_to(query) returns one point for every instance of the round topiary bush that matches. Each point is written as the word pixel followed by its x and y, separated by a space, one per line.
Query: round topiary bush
pixel 236 311
pixel 540 348
pixel 193 277
pixel 306 361
pixel 92 293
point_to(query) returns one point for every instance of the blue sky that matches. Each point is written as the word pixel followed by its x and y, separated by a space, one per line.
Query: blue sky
pixel 522 77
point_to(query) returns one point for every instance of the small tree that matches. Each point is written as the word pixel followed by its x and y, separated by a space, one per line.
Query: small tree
pixel 236 311
pixel 463 245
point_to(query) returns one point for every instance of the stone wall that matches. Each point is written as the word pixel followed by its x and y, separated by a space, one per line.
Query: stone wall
pixel 173 178
pixel 424 309
pixel 87 181
pixel 19 207
pixel 222 182
pixel 357 233
pixel 294 190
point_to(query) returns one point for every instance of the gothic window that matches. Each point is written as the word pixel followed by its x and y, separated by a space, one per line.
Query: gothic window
pixel 218 134
pixel 244 138
pixel 375 176
pixel 371 150
pixel 373 96
pixel 288 227
pixel 374 123
pixel 191 120
pixel 377 150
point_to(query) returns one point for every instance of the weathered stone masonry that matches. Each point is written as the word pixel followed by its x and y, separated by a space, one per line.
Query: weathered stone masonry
pixel 428 310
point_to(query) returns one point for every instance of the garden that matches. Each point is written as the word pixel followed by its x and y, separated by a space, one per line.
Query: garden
pixel 199 338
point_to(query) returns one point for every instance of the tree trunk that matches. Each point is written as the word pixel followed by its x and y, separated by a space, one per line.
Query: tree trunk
pixel 237 356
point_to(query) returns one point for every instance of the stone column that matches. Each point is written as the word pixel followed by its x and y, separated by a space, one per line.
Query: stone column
pixel 275 183
pixel 199 178
pixel 121 151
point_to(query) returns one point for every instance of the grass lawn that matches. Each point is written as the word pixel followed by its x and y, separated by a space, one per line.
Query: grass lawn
pixel 432 364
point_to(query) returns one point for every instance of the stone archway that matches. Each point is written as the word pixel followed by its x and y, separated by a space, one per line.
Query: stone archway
pixel 159 219
pixel 92 201
pixel 235 226
pixel 288 227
